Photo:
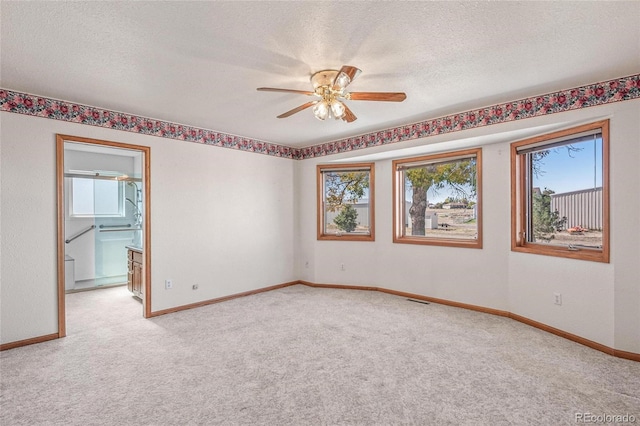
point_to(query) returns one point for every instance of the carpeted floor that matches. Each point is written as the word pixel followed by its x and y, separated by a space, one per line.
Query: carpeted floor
pixel 307 356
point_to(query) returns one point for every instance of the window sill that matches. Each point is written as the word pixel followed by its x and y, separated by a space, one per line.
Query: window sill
pixel 556 251
pixel 445 242
pixel 346 237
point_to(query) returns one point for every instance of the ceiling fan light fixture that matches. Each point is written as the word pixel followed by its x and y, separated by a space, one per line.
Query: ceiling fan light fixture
pixel 337 108
pixel 321 110
pixel 342 81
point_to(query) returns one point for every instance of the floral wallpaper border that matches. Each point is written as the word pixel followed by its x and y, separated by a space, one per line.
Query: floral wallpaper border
pixel 39 106
pixel 616 90
pixel 621 89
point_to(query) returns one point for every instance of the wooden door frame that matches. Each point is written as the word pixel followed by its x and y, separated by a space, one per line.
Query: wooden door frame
pixel 146 220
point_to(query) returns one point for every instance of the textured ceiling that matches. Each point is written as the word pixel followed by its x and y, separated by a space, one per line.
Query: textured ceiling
pixel 199 63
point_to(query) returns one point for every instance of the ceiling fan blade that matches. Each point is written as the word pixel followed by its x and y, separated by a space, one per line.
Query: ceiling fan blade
pixel 348 116
pixel 345 76
pixel 298 109
pixel 273 89
pixel 377 96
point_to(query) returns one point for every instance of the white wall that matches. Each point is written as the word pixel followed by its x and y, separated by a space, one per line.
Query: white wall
pixel 223 221
pixel 601 302
pixel 625 219
pixel 219 218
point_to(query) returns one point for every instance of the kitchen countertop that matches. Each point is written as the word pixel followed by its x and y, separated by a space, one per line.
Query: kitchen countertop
pixel 138 249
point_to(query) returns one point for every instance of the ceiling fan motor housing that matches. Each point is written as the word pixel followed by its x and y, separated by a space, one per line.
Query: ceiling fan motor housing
pixel 323 78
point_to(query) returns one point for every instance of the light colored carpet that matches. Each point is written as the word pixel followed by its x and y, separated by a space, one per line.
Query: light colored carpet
pixel 307 356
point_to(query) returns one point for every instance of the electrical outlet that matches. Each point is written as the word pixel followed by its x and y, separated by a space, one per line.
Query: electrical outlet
pixel 168 284
pixel 194 287
pixel 557 298
pixel 306 264
pixel 342 267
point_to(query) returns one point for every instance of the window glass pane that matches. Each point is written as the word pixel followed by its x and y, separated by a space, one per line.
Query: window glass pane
pixel 440 200
pixel 107 199
pixel 82 197
pixel 96 197
pixel 346 202
pixel 565 194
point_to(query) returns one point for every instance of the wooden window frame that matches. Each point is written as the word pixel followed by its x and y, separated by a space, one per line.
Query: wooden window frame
pixel 320 202
pixel 398 200
pixel 519 192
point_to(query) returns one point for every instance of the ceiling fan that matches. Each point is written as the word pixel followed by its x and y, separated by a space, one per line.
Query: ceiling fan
pixel 329 86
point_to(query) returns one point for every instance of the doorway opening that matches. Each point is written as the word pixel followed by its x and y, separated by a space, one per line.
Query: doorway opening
pixel 104 236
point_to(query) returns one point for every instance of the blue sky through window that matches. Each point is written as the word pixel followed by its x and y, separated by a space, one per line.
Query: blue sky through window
pixel 566 171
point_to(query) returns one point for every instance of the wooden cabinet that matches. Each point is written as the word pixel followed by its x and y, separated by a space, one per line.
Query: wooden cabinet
pixel 134 281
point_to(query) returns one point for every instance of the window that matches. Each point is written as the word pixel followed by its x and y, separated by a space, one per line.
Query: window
pixel 437 199
pixel 560 193
pixel 345 202
pixel 96 197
